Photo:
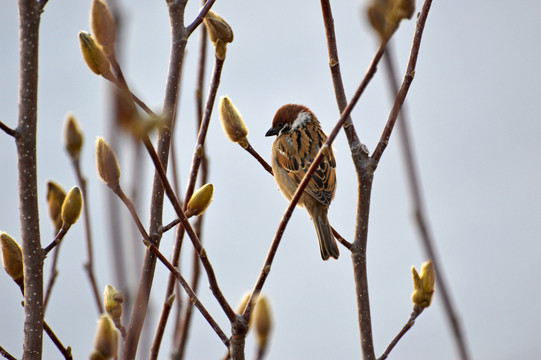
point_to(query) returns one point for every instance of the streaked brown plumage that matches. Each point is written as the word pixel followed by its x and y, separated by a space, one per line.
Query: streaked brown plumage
pixel 299 138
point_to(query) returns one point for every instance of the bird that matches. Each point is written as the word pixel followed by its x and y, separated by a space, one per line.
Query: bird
pixel 298 139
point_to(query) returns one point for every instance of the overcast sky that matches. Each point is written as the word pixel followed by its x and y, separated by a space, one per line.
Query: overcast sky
pixel 474 108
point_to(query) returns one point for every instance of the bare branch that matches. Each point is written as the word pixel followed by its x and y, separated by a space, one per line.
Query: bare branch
pixel 417 310
pixel 29 21
pixel 6 355
pixel 8 130
pixel 421 218
pixel 199 19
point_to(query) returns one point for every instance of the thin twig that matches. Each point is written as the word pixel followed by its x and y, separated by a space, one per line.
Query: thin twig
pixel 406 83
pixel 169 226
pixel 89 266
pixel 417 310
pixel 152 248
pixel 8 130
pixel 184 319
pixel 258 157
pixel 190 292
pixel 191 233
pixel 199 19
pixel 58 238
pixel 421 218
pixel 66 352
pixel 6 355
pixel 52 279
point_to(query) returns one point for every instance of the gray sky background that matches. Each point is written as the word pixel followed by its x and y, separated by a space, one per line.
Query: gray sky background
pixel 474 109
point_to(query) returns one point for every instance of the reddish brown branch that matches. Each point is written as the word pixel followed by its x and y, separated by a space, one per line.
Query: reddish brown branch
pixel 421 218
pixel 7 129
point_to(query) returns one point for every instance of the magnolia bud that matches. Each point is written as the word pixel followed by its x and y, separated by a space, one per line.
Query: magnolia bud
pixel 106 340
pixel 232 122
pixel 55 199
pixel 386 15
pixel 424 285
pixel 218 28
pixel 107 164
pixel 242 306
pixel 12 257
pixel 200 200
pixel 262 320
pixel 93 54
pixel 103 26
pixel 73 137
pixel 113 302
pixel 71 208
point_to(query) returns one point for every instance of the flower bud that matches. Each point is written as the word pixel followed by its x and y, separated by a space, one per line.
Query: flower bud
pixel 218 28
pixel 93 54
pixel 73 137
pixel 107 164
pixel 424 285
pixel 386 15
pixel 106 340
pixel 200 200
pixel 103 26
pixel 262 320
pixel 12 257
pixel 55 199
pixel 113 302
pixel 232 122
pixel 71 208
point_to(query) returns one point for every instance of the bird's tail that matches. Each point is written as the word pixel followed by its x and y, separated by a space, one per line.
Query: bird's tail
pixel 327 243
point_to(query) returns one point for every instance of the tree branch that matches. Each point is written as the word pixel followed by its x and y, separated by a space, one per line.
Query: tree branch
pixel 7 129
pixel 29 21
pixel 421 218
pixel 179 39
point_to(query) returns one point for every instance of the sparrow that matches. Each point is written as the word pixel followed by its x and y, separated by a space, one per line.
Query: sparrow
pixel 299 138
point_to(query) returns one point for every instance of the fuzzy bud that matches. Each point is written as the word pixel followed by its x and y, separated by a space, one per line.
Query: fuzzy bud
pixel 107 164
pixel 424 285
pixel 200 200
pixel 93 54
pixel 103 26
pixel 73 137
pixel 12 257
pixel 232 122
pixel 106 340
pixel 112 301
pixel 218 28
pixel 262 320
pixel 71 208
pixel 386 15
pixel 55 199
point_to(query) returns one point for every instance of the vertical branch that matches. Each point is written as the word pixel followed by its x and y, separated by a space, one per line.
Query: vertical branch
pixel 29 21
pixel 421 218
pixel 179 38
pixel 184 326
pixel 89 266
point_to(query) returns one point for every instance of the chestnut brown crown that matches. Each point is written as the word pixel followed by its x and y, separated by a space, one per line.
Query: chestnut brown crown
pixel 288 116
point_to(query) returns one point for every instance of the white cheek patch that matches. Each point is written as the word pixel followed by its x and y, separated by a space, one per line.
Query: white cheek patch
pixel 301 119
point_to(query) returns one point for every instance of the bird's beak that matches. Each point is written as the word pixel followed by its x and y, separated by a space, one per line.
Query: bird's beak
pixel 272 131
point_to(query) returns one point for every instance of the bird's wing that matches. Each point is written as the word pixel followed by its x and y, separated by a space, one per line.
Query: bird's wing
pixel 296 163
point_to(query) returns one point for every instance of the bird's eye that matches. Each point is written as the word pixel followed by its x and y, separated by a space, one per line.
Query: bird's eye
pixel 280 125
